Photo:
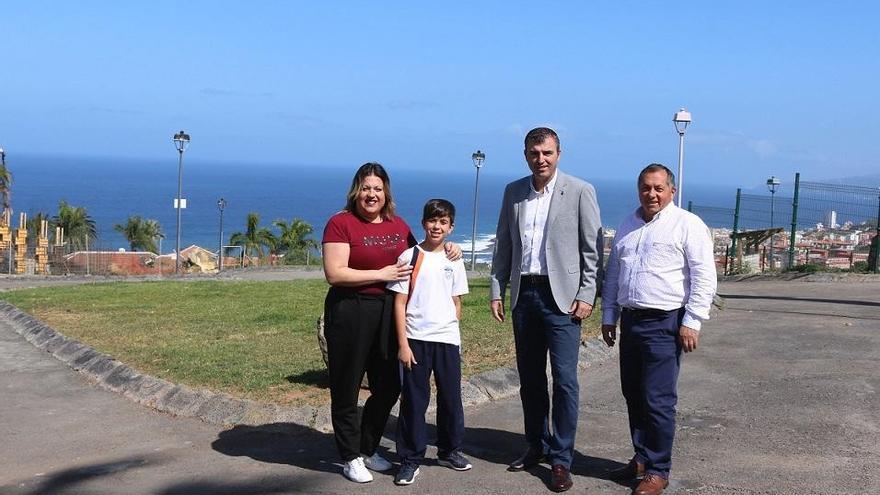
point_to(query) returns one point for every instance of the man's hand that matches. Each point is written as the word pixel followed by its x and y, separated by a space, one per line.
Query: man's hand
pixel 688 338
pixel 580 310
pixel 497 307
pixel 609 334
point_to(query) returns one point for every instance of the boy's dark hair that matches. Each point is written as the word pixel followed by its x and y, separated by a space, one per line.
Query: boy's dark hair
pixel 435 208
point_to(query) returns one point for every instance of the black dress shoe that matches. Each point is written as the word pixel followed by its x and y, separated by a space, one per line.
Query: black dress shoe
pixel 530 459
pixel 560 478
pixel 632 471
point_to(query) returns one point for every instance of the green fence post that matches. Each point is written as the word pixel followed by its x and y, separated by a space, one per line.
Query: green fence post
pixel 875 243
pixel 691 206
pixel 794 208
pixel 735 227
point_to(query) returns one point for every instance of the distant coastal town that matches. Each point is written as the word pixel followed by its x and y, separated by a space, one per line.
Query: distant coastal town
pixel 827 245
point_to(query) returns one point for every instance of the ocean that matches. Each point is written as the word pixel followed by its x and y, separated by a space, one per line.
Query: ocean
pixel 113 189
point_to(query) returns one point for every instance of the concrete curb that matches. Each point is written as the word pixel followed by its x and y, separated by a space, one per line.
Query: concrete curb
pixel 223 409
pixel 821 277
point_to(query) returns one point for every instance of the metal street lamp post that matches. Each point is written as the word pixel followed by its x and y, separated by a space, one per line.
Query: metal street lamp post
pixel 772 185
pixel 681 119
pixel 181 141
pixel 479 157
pixel 221 205
pixel 3 161
pixel 159 258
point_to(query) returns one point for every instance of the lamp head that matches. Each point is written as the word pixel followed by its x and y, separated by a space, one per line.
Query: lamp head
pixel 682 119
pixel 478 158
pixel 221 204
pixel 181 141
pixel 773 183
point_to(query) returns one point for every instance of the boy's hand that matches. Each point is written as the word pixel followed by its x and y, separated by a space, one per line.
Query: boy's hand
pixel 405 356
pixel 497 307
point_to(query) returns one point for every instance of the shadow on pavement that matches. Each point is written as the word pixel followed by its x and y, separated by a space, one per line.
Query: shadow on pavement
pixel 69 480
pixel 280 443
pixel 291 444
pixel 805 299
pixel 501 447
pixel 75 480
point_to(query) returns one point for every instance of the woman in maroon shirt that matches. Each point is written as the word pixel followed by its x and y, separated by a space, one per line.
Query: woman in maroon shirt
pixel 361 246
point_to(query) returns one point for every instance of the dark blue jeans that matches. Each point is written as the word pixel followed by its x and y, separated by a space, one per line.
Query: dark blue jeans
pixel 650 356
pixel 539 327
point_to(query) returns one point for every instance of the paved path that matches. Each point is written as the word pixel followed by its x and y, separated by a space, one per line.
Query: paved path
pixel 780 398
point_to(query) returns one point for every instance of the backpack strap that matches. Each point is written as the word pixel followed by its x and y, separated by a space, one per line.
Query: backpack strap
pixel 415 263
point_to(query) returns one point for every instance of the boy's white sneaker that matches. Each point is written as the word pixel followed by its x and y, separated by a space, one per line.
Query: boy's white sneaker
pixel 356 471
pixel 377 463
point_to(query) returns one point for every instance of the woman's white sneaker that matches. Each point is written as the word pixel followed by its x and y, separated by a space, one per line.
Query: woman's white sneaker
pixel 377 463
pixel 356 471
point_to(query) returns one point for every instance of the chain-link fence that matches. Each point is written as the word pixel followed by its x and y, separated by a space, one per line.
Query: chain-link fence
pixel 832 225
pixel 96 260
pixel 837 206
pixel 714 216
pixel 720 220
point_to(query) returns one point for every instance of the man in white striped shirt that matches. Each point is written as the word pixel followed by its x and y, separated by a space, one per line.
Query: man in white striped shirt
pixel 660 281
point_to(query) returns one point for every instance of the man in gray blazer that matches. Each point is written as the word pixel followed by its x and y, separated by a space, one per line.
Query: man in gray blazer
pixel 548 248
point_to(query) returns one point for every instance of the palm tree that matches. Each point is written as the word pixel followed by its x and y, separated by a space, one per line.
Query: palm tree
pixel 79 228
pixel 35 221
pixel 140 233
pixel 294 235
pixel 295 238
pixel 254 238
pixel 5 185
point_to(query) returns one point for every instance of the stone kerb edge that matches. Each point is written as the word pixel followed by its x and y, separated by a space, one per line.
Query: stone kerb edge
pixel 223 409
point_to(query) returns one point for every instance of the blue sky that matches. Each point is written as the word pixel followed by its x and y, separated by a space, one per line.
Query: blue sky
pixel 774 87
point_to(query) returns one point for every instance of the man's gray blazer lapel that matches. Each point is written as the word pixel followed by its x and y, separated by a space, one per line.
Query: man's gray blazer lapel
pixel 518 205
pixel 557 205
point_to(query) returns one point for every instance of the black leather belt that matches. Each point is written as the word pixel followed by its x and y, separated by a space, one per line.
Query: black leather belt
pixel 647 312
pixel 534 280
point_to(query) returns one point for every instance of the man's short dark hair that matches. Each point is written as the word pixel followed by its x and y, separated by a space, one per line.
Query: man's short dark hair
pixel 540 134
pixel 436 208
pixel 657 167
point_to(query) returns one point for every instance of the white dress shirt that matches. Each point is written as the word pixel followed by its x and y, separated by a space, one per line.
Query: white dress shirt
pixel 663 264
pixel 534 213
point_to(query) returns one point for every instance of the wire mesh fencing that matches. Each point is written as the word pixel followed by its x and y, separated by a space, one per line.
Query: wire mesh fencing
pixel 837 206
pixel 835 225
pixel 758 212
pixel 827 224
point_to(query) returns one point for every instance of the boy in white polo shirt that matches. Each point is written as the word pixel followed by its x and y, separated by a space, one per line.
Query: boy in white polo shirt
pixel 427 308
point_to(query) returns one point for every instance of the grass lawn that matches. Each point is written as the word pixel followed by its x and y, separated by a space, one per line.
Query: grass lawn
pixel 251 339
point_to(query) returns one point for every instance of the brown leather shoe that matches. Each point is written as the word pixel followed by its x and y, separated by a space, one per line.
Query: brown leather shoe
pixel 528 460
pixel 653 484
pixel 634 470
pixel 560 478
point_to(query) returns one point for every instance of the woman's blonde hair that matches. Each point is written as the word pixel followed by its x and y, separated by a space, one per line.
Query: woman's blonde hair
pixel 367 170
